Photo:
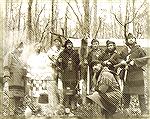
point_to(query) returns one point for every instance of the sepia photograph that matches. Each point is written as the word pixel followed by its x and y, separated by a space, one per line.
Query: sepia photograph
pixel 75 59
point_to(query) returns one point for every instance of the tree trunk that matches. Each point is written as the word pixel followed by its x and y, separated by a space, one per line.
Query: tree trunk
pixel 133 7
pixel 36 27
pixel 52 21
pixel 86 28
pixel 148 20
pixel 19 16
pixel 113 29
pixel 84 47
pixel 65 24
pixel 148 52
pixel 29 22
pixel 94 19
pixel 120 17
pixel 126 20
pixel 5 28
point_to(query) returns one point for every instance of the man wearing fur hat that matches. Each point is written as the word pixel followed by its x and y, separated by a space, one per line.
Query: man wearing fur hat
pixel 92 59
pixel 110 57
pixel 68 61
pixel 133 78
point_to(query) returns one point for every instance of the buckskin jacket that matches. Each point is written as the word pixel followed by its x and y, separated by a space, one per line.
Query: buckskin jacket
pixel 134 83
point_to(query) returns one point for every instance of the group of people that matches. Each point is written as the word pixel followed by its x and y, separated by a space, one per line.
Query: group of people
pixel 48 78
pixel 117 76
pixel 56 75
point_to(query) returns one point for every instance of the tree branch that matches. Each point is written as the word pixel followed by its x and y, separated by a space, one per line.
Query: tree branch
pixel 78 8
pixel 136 13
pixel 44 31
pixel 98 28
pixel 58 35
pixel 63 35
pixel 75 32
pixel 19 15
pixel 117 19
pixel 39 15
pixel 80 23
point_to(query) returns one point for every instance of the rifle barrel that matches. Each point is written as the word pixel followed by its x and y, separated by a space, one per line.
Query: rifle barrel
pixel 141 58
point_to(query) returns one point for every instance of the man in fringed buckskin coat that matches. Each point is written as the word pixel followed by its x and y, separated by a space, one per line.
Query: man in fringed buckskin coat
pixel 134 81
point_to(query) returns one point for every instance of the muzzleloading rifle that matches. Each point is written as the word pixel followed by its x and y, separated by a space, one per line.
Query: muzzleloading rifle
pixel 125 70
pixel 128 61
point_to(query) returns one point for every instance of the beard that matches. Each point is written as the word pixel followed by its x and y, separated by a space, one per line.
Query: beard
pixel 111 50
pixel 69 48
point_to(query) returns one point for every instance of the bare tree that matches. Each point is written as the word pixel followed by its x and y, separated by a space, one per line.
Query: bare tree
pixel 29 21
pixel 148 20
pixel 84 45
pixel 19 16
pixel 37 32
pixel 86 28
pixel 65 24
pixel 6 26
pixel 52 21
pixel 127 20
pixel 99 26
pixel 80 21
pixel 120 17
pixel 94 19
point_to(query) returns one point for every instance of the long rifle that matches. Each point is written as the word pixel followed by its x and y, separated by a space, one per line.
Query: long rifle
pixel 128 61
pixel 126 67
pixel 88 81
pixel 94 81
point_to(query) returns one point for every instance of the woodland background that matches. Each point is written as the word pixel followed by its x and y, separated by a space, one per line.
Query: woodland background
pixel 42 20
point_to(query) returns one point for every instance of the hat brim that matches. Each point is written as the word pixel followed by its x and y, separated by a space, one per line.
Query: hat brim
pixel 95 97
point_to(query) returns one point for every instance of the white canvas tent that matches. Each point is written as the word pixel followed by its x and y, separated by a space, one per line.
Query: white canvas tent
pixel 119 42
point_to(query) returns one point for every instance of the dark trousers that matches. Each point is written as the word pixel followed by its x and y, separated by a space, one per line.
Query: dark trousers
pixel 141 98
pixel 15 104
pixel 70 100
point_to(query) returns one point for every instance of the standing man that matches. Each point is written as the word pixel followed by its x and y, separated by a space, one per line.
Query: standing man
pixel 110 57
pixel 68 61
pixel 92 59
pixel 14 74
pixel 53 54
pixel 134 78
